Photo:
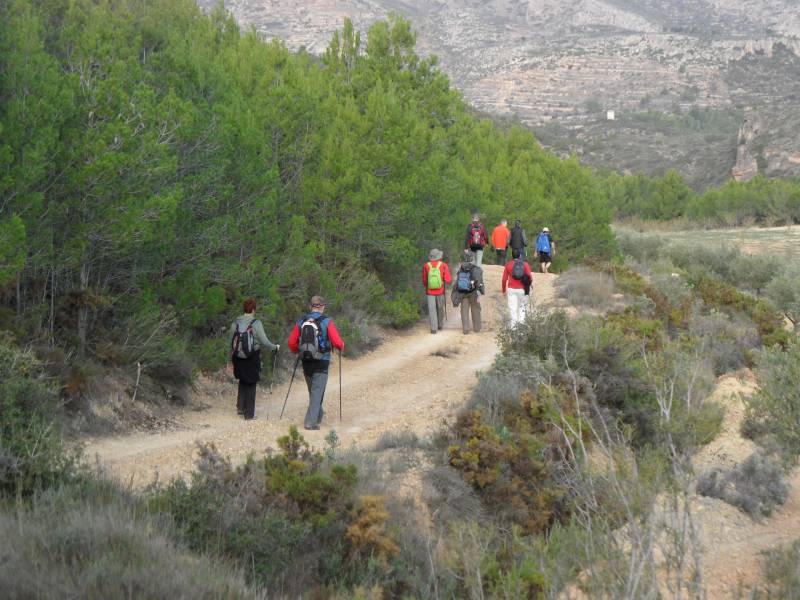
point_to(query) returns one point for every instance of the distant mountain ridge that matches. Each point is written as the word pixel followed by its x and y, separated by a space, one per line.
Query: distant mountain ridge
pixel 682 76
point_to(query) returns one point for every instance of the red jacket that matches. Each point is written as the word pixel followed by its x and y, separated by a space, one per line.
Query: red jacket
pixel 509 281
pixel 445 277
pixel 333 336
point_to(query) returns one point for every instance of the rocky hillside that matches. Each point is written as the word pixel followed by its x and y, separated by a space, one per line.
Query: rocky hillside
pixel 680 75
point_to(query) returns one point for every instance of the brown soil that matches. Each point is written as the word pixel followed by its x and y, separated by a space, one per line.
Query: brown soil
pixel 415 381
pixel 732 542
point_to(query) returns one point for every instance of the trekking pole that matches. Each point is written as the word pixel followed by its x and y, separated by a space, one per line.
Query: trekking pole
pixel 340 386
pixel 272 379
pixel 297 362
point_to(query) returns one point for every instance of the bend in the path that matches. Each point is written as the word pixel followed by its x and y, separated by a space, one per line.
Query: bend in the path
pixel 414 381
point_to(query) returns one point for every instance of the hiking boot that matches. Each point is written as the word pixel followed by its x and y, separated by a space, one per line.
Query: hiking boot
pixel 314 428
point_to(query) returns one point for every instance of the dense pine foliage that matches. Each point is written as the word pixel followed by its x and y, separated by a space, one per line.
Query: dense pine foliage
pixel 157 164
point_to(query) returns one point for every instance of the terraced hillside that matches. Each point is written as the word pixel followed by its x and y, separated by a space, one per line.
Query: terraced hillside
pixel 681 75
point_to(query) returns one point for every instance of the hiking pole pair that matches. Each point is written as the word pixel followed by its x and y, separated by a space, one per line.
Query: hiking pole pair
pixel 292 381
pixel 297 362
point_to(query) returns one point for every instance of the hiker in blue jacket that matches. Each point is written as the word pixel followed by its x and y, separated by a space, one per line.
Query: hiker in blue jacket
pixel 546 248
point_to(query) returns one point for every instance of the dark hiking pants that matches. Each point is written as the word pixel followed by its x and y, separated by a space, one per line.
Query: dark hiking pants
pixel 502 256
pixel 246 399
pixel 316 376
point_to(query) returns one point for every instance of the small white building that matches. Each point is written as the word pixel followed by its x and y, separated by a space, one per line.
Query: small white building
pixel 610 116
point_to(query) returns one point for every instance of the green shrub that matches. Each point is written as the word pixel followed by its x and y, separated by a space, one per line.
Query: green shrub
pixel 643 248
pixel 292 520
pixel 405 439
pixel 91 541
pixel 544 334
pixel 150 337
pixel 781 570
pixel 756 486
pixel 212 354
pixel 784 292
pixel 728 341
pixel 753 272
pixel 359 331
pixel 775 405
pixel 32 456
pixel 722 296
pixel 513 466
pixel 719 260
pixel 585 287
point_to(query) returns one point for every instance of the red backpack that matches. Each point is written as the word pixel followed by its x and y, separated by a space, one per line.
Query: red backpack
pixel 477 235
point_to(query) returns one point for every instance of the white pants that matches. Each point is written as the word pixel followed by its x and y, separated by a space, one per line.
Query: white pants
pixel 517 305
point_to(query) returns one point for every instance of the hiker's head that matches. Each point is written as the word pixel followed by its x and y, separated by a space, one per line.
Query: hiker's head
pixel 317 304
pixel 503 222
pixel 435 254
pixel 515 253
pixel 249 306
pixel 517 223
pixel 468 257
pixel 476 218
pixel 545 229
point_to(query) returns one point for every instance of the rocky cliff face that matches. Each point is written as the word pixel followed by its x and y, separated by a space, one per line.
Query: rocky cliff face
pixel 680 74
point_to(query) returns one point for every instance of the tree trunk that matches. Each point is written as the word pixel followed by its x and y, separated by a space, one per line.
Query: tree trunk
pixel 52 304
pixel 83 309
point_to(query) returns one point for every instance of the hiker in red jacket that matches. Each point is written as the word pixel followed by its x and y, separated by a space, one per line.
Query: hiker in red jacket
pixel 316 355
pixel 476 239
pixel 517 277
pixel 435 276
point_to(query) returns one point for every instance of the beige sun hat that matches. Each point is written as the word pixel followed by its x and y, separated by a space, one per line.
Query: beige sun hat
pixel 435 254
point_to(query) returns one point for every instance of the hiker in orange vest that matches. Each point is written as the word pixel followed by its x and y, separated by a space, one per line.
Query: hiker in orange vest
pixel 435 276
pixel 500 238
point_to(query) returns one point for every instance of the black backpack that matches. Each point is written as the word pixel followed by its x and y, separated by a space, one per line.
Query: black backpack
pixel 243 343
pixel 516 238
pixel 518 270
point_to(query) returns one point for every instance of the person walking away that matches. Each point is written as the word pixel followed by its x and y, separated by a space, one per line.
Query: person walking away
pixel 476 239
pixel 314 337
pixel 435 276
pixel 248 337
pixel 518 241
pixel 500 238
pixel 515 275
pixel 467 292
pixel 546 248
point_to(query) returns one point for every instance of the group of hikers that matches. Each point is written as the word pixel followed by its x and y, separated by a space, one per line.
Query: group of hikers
pixel 314 336
pixel 468 287
pixel 504 239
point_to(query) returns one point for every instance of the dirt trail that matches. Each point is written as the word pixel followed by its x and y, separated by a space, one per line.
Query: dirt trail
pixel 731 540
pixel 415 380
